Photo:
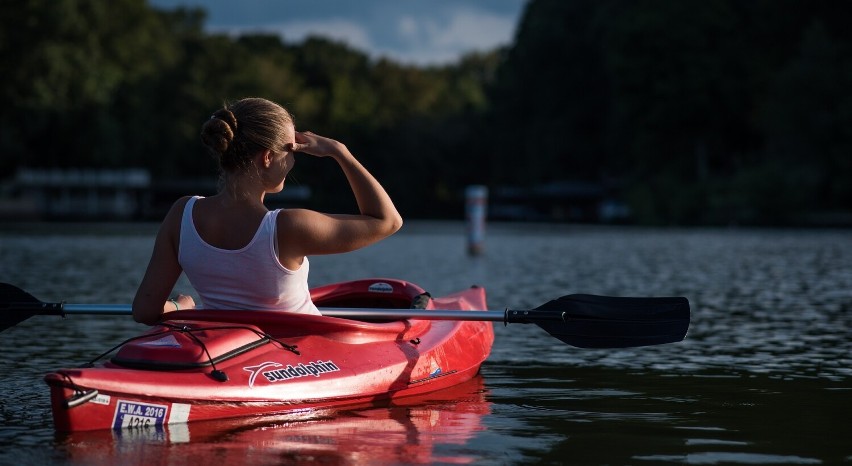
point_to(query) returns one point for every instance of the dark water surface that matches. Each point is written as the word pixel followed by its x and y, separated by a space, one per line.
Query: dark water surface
pixel 764 376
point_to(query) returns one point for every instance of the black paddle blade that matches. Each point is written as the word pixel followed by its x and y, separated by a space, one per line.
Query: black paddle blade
pixel 12 297
pixel 589 321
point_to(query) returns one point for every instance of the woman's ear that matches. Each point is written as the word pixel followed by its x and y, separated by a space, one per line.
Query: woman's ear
pixel 266 158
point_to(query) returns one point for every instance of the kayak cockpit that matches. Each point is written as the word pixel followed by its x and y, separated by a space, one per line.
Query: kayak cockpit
pixel 193 339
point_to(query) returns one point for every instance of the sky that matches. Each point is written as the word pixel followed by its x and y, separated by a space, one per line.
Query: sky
pixel 418 32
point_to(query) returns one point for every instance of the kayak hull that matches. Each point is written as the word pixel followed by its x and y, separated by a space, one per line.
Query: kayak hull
pixel 206 365
pixel 410 430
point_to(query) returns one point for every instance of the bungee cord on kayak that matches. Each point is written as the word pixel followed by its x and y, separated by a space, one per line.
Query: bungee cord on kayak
pixel 81 395
pixel 131 339
pixel 185 329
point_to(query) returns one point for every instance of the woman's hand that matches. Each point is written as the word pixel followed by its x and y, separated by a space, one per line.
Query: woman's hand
pixel 179 303
pixel 317 145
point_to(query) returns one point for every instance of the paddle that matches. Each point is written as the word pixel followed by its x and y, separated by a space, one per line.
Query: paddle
pixel 581 320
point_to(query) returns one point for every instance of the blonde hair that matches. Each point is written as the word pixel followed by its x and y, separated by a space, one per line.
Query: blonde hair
pixel 235 133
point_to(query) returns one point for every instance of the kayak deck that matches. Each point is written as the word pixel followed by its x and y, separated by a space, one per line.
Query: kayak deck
pixel 204 365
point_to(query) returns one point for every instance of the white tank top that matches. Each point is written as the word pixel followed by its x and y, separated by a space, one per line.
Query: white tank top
pixel 250 278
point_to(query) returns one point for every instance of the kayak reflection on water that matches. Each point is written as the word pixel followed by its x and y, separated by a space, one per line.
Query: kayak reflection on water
pixel 416 430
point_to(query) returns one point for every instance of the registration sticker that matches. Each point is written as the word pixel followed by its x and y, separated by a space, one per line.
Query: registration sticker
pixel 135 414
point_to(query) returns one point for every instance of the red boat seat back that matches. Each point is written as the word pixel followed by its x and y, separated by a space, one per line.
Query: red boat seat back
pixel 376 293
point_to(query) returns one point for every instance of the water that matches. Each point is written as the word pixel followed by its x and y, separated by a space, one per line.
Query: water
pixel 764 376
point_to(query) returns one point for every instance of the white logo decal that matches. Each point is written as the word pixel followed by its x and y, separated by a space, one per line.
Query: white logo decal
pixel 380 287
pixel 258 369
pixel 276 372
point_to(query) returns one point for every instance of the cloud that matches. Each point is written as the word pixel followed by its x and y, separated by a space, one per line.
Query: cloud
pixel 443 38
pixel 419 33
pixel 341 30
pixel 471 29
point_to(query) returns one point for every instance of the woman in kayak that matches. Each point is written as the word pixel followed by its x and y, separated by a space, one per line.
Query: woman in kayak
pixel 235 252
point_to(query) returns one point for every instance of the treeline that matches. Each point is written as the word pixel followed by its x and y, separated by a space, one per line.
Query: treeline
pixel 692 111
pixel 704 111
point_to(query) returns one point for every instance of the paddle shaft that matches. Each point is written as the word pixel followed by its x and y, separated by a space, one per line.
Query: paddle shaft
pixel 585 321
pixel 344 312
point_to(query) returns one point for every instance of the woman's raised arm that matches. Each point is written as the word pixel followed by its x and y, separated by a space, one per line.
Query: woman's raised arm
pixel 319 233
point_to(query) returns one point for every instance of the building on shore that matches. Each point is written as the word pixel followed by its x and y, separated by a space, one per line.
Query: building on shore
pixel 103 194
pixel 560 201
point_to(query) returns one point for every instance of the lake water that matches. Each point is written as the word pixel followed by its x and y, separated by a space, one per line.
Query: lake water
pixel 763 377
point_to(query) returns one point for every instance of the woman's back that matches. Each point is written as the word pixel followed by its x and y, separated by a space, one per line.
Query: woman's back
pixel 226 226
pixel 249 276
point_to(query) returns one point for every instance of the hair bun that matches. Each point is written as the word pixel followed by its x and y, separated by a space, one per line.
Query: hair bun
pixel 218 132
pixel 227 116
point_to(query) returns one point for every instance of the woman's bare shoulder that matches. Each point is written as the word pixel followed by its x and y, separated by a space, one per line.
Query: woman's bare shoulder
pixel 181 202
pixel 171 223
pixel 295 219
pixel 177 207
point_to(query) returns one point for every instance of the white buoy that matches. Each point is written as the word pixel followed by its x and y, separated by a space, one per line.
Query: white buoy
pixel 476 203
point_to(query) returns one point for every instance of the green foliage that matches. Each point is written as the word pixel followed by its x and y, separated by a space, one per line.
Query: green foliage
pixel 696 111
pixel 704 111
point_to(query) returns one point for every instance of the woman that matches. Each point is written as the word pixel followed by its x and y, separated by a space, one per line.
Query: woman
pixel 235 252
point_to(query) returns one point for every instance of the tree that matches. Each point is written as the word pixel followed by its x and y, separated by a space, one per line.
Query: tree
pixel 550 97
pixel 70 60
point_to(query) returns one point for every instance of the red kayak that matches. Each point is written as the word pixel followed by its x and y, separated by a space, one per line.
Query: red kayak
pixel 205 365
pixel 423 429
